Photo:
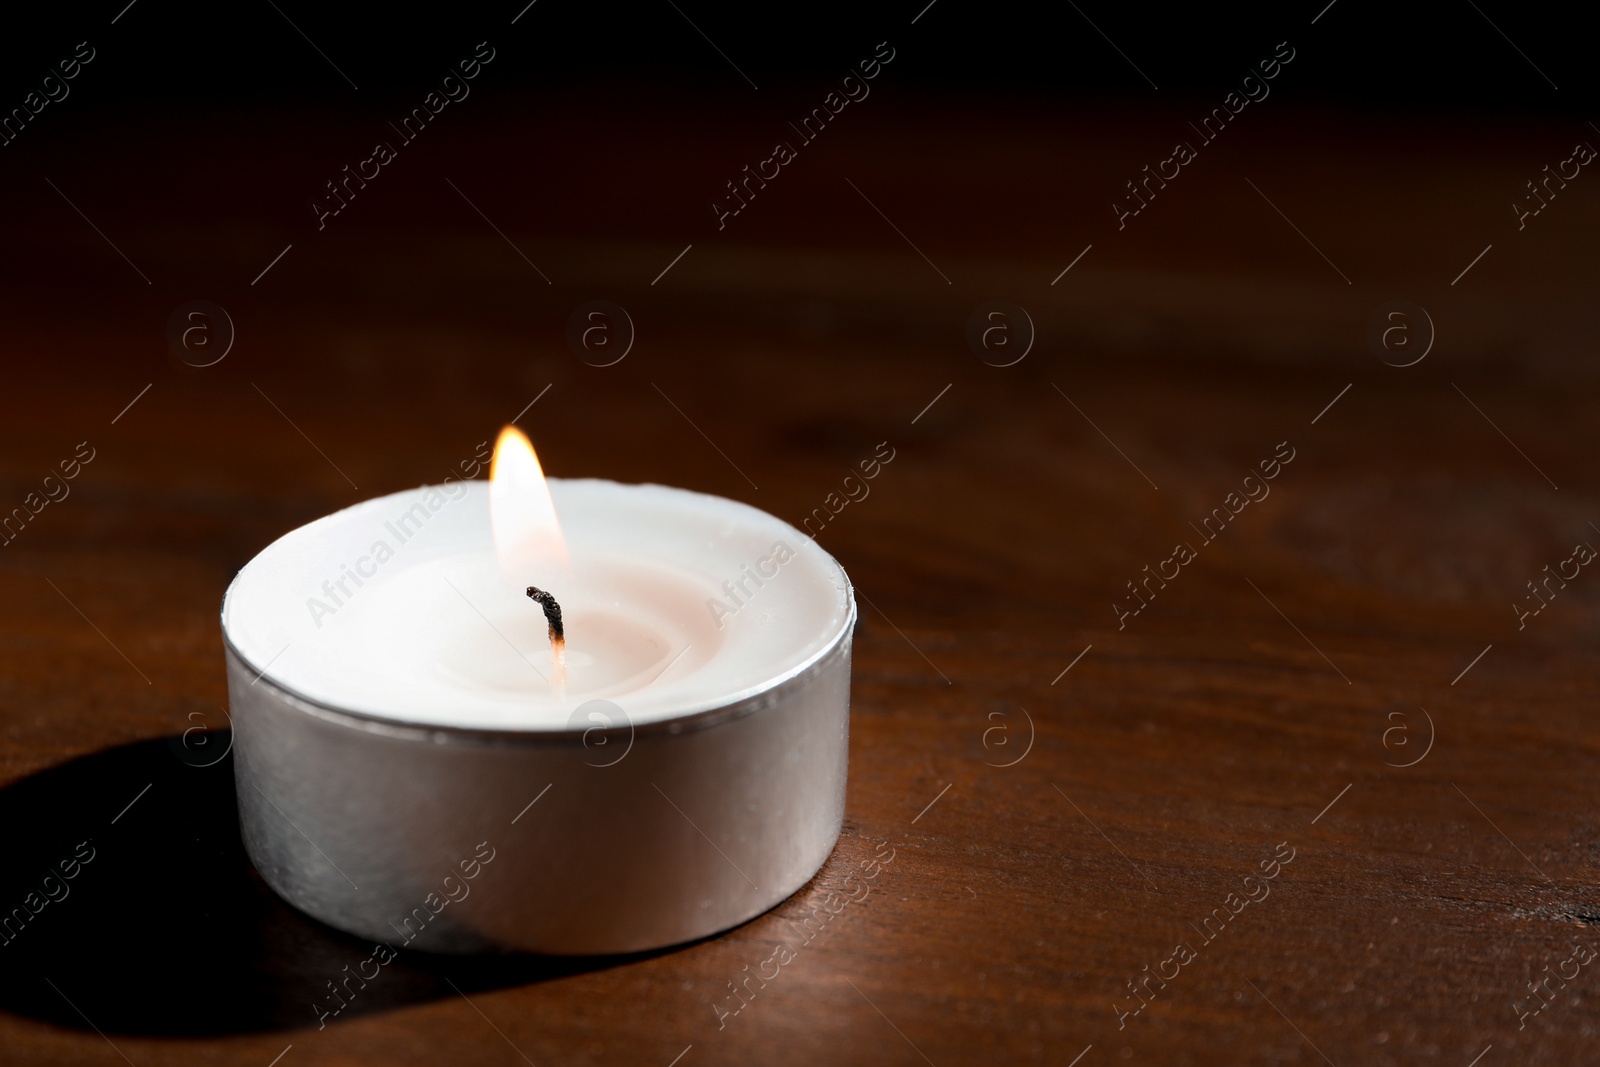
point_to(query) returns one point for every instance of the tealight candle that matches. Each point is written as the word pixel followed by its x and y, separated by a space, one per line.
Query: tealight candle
pixel 401 710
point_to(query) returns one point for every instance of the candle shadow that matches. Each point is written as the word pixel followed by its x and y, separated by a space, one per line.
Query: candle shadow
pixel 127 904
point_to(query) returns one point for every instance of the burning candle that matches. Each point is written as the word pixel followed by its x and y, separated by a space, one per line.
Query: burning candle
pixel 408 674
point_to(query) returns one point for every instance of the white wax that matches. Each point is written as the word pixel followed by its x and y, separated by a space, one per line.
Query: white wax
pixel 674 602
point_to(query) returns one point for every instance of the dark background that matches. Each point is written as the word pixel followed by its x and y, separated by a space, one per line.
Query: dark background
pixel 1373 55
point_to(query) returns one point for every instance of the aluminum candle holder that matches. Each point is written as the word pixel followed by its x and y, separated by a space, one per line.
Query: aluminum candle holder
pixel 662 798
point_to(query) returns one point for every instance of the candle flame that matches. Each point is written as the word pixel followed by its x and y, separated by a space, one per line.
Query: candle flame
pixel 527 533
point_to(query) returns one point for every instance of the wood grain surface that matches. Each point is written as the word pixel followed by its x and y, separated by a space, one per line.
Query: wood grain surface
pixel 1329 733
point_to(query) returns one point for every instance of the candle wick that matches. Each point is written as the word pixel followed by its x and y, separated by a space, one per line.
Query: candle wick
pixel 558 635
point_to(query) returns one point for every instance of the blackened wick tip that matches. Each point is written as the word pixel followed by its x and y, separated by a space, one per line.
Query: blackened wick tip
pixel 552 612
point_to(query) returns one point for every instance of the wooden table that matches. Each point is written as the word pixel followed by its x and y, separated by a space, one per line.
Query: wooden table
pixel 1334 690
